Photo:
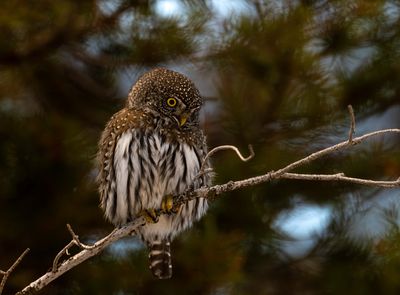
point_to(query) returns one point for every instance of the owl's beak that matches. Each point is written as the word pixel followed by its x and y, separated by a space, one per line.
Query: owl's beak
pixel 182 119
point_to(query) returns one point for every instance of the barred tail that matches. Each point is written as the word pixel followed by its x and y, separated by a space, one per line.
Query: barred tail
pixel 160 259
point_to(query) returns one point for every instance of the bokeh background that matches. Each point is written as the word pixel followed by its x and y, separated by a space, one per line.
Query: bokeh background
pixel 276 74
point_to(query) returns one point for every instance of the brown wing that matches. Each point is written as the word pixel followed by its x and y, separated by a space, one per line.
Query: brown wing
pixel 118 124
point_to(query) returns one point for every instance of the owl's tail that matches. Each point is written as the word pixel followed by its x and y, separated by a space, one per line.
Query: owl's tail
pixel 160 259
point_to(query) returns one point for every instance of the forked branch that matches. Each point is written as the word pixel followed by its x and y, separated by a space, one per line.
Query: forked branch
pixel 7 273
pixel 59 268
pixel 65 251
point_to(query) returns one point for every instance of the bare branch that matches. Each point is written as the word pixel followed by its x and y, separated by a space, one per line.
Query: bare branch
pixel 82 256
pixel 340 146
pixel 209 192
pixel 214 191
pixel 7 273
pixel 341 177
pixel 352 123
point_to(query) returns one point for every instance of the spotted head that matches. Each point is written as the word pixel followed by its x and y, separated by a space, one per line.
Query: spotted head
pixel 168 94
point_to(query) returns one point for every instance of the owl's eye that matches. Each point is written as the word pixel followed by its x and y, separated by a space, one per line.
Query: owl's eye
pixel 171 102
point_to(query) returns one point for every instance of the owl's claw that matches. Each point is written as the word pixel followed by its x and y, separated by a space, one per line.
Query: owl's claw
pixel 150 215
pixel 167 205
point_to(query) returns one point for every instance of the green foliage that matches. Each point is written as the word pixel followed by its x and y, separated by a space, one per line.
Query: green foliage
pixel 280 73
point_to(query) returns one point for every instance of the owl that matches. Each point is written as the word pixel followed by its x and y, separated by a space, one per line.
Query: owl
pixel 149 151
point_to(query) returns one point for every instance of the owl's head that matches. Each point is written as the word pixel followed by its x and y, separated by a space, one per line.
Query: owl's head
pixel 168 94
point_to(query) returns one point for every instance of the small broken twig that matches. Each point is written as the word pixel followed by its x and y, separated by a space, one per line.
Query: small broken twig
pixel 7 273
pixel 352 123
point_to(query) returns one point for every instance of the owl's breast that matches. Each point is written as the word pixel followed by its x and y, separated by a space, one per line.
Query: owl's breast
pixel 174 165
pixel 148 166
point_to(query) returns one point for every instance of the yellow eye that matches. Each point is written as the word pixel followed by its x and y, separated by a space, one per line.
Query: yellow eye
pixel 171 102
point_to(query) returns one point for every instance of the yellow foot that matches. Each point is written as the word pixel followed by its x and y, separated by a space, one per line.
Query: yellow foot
pixel 150 215
pixel 167 205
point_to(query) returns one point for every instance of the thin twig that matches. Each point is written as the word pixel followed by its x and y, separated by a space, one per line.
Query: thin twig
pixel 7 273
pixel 340 146
pixel 221 148
pixel 61 254
pixel 352 123
pixel 75 238
pixel 341 177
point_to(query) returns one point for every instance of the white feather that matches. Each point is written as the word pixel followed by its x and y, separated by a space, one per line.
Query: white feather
pixel 121 158
pixel 152 193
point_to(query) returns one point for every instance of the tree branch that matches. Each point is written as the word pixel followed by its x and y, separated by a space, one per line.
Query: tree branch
pixel 82 256
pixel 214 191
pixel 88 251
pixel 7 273
pixel 342 177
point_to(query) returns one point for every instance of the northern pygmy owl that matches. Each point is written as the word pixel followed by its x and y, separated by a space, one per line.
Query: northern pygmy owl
pixel 151 149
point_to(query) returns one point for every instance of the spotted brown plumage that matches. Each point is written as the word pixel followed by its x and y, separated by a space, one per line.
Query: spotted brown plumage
pixel 150 149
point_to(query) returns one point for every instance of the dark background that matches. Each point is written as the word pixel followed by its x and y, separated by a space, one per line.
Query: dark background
pixel 277 74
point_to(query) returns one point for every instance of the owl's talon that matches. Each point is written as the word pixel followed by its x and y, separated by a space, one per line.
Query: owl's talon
pixel 150 215
pixel 167 205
